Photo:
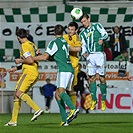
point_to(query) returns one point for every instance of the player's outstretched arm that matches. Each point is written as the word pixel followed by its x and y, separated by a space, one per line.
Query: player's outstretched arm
pixel 42 57
pixel 11 70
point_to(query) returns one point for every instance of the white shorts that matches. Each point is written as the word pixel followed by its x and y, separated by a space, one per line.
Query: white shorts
pixel 64 80
pixel 96 63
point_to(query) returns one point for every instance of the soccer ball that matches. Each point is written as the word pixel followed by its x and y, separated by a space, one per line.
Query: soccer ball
pixel 76 13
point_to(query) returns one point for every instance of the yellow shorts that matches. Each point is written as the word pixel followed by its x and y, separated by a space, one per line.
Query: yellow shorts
pixel 26 81
pixel 75 80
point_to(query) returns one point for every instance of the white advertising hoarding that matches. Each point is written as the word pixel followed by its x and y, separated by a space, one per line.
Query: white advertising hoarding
pixel 119 90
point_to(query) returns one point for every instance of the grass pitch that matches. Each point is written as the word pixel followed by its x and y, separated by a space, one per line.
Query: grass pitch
pixel 84 123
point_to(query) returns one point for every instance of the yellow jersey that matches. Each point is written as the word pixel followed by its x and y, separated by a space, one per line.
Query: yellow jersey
pixel 30 48
pixel 73 41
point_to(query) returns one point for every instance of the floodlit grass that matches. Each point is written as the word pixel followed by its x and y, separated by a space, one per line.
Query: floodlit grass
pixel 84 123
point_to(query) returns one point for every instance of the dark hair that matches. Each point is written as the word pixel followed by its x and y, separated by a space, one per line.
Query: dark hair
pixel 80 65
pixel 124 51
pixel 84 16
pixel 58 29
pixel 73 24
pixel 47 79
pixel 22 33
pixel 116 27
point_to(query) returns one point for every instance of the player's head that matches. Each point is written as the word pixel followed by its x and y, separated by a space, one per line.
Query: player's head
pixel 58 29
pixel 85 20
pixel 21 34
pixel 72 28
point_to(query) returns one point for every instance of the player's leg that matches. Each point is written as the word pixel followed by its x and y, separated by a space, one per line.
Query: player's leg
pixel 91 70
pixel 25 83
pixel 72 93
pixel 93 89
pixel 64 80
pixel 15 111
pixel 73 112
pixel 103 92
pixel 16 106
pixel 62 107
pixel 102 71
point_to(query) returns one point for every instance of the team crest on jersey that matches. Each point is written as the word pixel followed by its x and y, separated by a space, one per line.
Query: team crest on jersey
pixel 89 33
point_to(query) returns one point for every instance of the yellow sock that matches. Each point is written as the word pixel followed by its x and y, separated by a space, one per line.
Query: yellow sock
pixel 29 101
pixel 73 97
pixel 15 111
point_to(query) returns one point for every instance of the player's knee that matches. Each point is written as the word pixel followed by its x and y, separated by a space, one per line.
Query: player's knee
pixel 102 79
pixel 57 97
pixel 92 79
pixel 17 94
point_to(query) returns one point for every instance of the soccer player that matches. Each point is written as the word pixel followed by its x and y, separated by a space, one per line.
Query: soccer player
pixel 73 40
pixel 28 78
pixel 59 50
pixel 92 37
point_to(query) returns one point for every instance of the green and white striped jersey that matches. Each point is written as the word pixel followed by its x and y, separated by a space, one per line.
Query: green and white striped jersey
pixel 58 48
pixel 90 37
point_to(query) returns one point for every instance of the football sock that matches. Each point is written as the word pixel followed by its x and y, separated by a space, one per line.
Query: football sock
pixel 93 88
pixel 73 97
pixel 29 101
pixel 67 100
pixel 15 111
pixel 103 91
pixel 62 110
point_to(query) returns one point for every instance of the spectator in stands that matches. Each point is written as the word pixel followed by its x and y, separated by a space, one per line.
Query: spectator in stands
pixel 117 42
pixel 108 53
pixel 122 57
pixel 47 90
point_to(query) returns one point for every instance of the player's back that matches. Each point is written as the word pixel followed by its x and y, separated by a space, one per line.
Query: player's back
pixel 61 55
pixel 29 48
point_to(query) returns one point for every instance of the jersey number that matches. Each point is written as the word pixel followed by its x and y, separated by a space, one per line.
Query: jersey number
pixel 65 49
